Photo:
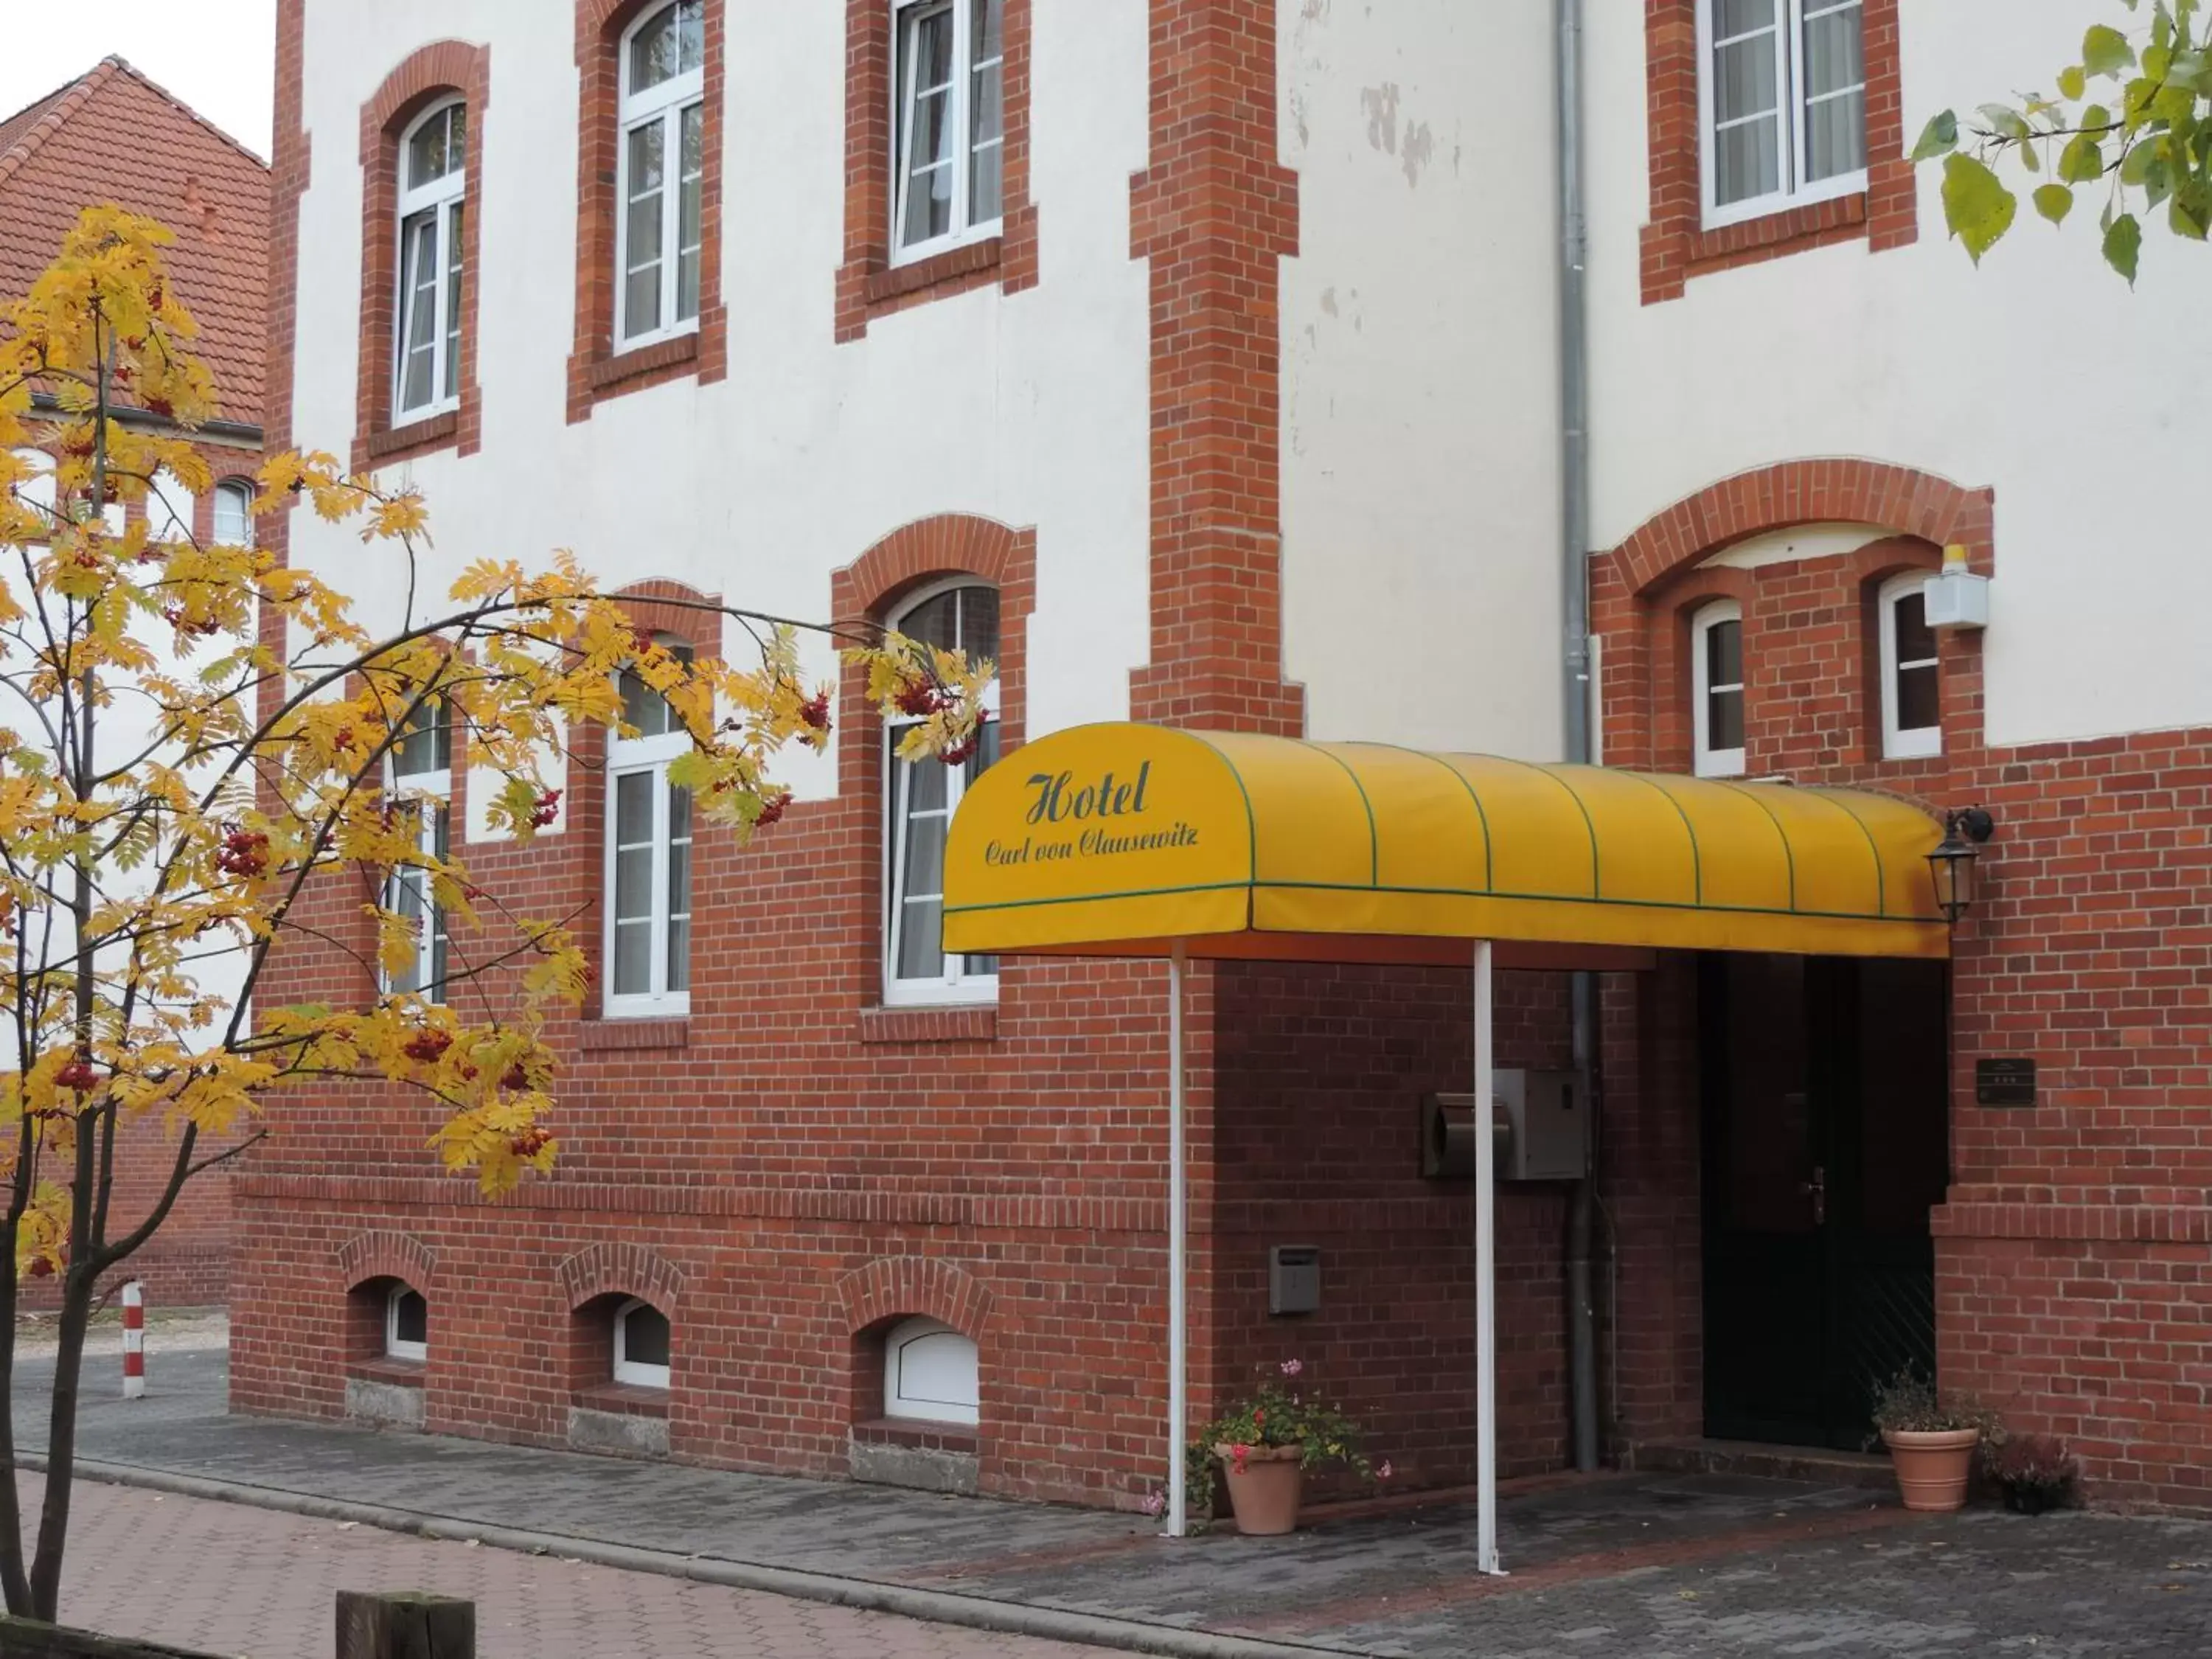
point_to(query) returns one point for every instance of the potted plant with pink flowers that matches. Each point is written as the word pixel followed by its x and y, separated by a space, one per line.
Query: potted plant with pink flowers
pixel 1267 1440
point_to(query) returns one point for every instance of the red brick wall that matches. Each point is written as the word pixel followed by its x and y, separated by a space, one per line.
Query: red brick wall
pixel 2072 1252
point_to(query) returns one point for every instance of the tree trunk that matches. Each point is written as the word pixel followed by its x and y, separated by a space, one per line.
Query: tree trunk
pixel 45 1584
pixel 13 1579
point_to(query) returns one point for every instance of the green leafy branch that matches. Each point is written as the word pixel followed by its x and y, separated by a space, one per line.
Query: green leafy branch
pixel 2152 148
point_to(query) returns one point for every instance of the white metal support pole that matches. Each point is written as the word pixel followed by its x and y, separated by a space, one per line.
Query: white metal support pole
pixel 1178 1316
pixel 1486 1279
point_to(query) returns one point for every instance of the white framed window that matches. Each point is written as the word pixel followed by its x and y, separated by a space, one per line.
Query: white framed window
pixel 426 377
pixel 949 125
pixel 419 779
pixel 1911 682
pixel 1717 690
pixel 234 515
pixel 929 1372
pixel 1781 104
pixel 642 1344
pixel 406 1324
pixel 169 508
pixel 657 233
pixel 648 871
pixel 921 797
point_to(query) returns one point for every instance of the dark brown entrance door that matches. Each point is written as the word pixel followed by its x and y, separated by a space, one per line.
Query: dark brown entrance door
pixel 1827 1142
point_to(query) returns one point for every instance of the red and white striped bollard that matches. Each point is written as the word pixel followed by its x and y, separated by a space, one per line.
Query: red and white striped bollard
pixel 134 1341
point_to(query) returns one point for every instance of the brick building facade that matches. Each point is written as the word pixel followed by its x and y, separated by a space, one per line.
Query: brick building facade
pixel 1211 400
pixel 113 136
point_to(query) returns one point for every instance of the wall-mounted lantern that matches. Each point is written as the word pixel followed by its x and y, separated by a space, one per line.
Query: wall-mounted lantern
pixel 1952 862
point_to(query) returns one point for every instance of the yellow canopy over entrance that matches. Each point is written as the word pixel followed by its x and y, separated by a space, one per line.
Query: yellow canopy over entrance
pixel 1116 839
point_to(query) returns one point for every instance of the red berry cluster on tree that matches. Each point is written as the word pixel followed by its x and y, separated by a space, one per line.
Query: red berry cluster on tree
pixel 78 1075
pixel 531 1142
pixel 815 711
pixel 773 807
pixel 245 853
pixel 922 698
pixel 427 1046
pixel 515 1077
pixel 547 809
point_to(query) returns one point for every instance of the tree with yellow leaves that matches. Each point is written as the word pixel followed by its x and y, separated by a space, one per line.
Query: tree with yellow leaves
pixel 194 735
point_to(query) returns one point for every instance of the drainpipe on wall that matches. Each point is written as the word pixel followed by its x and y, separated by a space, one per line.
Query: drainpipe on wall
pixel 1574 563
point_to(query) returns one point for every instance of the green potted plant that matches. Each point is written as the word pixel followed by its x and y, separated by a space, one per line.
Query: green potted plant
pixel 1267 1440
pixel 1931 1438
pixel 2036 1472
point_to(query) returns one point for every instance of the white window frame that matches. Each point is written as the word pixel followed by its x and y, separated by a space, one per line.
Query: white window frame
pixel 395 1345
pixel 626 757
pixel 1901 743
pixel 956 985
pixel 637 1372
pixel 433 789
pixel 905 14
pixel 1795 191
pixel 445 196
pixel 232 489
pixel 898 1403
pixel 665 104
pixel 1710 762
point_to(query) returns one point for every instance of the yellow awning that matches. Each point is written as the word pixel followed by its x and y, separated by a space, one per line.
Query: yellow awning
pixel 1116 840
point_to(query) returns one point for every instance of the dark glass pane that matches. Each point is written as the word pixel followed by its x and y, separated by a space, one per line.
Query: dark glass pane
pixel 1920 700
pixel 1724 654
pixel 1834 52
pixel 410 1318
pixel 1734 17
pixel 654 52
pixel 935 622
pixel 646 1337
pixel 453 300
pixel 691 36
pixel 425 744
pixel 1916 641
pixel 979 623
pixel 1724 721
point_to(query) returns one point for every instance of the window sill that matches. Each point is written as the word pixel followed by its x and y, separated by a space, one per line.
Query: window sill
pixel 416 438
pixel 626 1399
pixel 917 1434
pixel 617 1033
pixel 1837 214
pixel 972 1022
pixel 619 371
pixel 955 264
pixel 400 1373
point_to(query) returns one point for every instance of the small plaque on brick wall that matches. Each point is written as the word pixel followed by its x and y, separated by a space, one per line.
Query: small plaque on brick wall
pixel 2004 1082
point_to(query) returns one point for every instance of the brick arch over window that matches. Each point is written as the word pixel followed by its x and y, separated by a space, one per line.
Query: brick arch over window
pixel 1790 493
pixel 597 370
pixel 441 69
pixel 903 1286
pixel 661 606
pixel 626 1270
pixel 387 1255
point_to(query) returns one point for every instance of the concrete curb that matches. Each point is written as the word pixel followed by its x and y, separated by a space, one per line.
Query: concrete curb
pixel 934 1607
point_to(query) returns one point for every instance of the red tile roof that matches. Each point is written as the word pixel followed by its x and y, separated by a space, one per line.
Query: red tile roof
pixel 113 136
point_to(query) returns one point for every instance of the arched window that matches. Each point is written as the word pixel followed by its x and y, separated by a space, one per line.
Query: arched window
pixel 433 175
pixel 658 231
pixel 950 144
pixel 233 514
pixel 643 1337
pixel 1912 701
pixel 648 869
pixel 929 1372
pixel 1717 690
pixel 419 778
pixel 406 1324
pixel 923 796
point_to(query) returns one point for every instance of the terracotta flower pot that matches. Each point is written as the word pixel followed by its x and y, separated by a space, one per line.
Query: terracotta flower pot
pixel 1933 1467
pixel 1264 1485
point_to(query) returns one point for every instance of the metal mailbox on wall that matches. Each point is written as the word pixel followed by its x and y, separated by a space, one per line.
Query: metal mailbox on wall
pixel 1539 1120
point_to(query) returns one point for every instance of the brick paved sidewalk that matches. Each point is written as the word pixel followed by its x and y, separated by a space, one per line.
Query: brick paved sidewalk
pixel 228 1579
pixel 1648 1565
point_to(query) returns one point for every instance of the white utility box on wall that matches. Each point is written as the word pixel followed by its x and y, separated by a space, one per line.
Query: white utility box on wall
pixel 1541 1121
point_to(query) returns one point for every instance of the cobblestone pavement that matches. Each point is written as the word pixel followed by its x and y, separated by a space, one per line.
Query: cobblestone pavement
pixel 1648 1565
pixel 228 1579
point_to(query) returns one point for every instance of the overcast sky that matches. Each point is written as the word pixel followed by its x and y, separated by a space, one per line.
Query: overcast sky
pixel 218 55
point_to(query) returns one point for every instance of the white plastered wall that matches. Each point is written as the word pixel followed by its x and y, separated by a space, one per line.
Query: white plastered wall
pixel 1030 408
pixel 1420 445
pixel 2040 375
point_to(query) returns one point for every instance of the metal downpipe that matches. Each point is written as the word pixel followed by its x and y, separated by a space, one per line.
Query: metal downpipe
pixel 1574 518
